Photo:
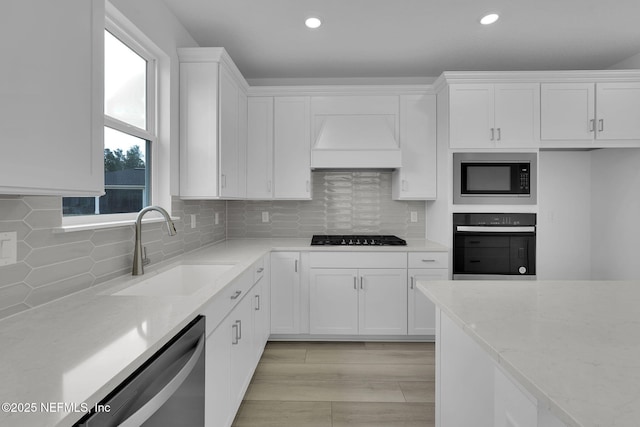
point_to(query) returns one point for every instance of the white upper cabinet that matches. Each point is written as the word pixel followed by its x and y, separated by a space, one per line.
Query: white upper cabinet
pixel 260 148
pixel 51 97
pixel 292 148
pixel 416 179
pixel 494 115
pixel 213 125
pixel 606 111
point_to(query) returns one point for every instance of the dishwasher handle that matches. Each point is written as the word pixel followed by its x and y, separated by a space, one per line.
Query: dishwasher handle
pixel 153 404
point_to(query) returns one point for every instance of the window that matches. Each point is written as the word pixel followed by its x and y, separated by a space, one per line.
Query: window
pixel 129 132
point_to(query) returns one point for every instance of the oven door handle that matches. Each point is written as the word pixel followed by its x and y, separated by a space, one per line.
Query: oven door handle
pixel 153 404
pixel 499 229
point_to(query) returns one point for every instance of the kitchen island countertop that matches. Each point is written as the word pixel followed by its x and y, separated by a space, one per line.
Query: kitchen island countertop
pixel 574 345
pixel 63 357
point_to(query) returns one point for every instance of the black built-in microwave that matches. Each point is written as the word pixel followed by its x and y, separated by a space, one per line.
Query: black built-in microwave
pixel 494 178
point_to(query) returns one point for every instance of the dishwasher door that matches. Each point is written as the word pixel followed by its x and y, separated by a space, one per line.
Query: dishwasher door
pixel 167 390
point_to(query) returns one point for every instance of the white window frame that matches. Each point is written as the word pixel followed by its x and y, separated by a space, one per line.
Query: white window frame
pixel 118 25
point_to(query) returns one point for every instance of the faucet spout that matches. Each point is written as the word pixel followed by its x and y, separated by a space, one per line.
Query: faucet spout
pixel 138 258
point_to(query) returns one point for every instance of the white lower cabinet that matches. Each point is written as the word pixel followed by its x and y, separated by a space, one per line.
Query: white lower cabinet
pixel 348 295
pixel 234 346
pixel 358 301
pixel 421 311
pixel 512 407
pixel 285 292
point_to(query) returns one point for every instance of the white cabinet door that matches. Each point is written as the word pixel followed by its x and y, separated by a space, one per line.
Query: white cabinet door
pixel 229 121
pixel 421 311
pixel 333 301
pixel 260 148
pixel 512 407
pixel 292 148
pixel 218 411
pixel 285 292
pixel 494 115
pixel 471 116
pixel 243 137
pixel 242 352
pixel 618 111
pixel 51 102
pixel 517 115
pixel 382 305
pixel 567 111
pixel 416 179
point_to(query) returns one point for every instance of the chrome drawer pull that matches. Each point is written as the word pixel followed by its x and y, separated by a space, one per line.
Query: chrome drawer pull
pixel 260 270
pixel 428 260
pixel 236 295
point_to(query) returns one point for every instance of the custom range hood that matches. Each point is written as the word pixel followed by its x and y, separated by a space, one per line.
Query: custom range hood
pixel 345 138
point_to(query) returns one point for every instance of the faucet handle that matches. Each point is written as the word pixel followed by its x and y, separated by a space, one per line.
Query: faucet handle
pixel 145 260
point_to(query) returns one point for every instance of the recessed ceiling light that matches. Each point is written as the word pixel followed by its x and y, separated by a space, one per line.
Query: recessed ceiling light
pixel 313 22
pixel 489 19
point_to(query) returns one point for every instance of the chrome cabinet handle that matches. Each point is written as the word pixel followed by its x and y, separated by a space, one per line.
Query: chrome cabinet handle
pixel 239 329
pixel 600 125
pixel 236 295
pixel 499 134
pixel 492 134
pixel 224 180
pixel 412 280
pixel 295 266
pixel 355 282
pixel 260 270
pixel 257 303
pixel 433 260
pixel 592 125
pixel 234 338
pixel 361 282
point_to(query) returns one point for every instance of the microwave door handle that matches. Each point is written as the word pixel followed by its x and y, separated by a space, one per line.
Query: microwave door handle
pixel 153 404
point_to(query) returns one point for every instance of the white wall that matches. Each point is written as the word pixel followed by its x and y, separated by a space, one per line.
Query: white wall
pixel 615 212
pixel 564 219
pixel 631 63
pixel 162 28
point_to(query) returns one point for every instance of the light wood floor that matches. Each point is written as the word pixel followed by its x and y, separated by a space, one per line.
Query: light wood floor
pixel 306 384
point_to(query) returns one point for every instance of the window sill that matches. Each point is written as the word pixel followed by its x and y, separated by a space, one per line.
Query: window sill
pixel 70 228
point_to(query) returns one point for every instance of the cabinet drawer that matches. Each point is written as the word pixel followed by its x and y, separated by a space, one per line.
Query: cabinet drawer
pixel 358 259
pixel 221 304
pixel 428 260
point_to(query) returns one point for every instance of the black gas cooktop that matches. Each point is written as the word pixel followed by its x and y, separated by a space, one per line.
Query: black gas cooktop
pixel 356 240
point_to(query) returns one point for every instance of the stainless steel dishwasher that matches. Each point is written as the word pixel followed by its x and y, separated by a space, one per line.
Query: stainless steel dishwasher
pixel 167 390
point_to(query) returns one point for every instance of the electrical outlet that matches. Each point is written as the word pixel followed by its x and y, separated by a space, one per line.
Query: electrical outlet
pixel 193 221
pixel 414 216
pixel 8 248
pixel 216 218
pixel 265 216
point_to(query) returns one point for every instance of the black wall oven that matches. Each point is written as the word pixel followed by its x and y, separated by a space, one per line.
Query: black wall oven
pixel 494 246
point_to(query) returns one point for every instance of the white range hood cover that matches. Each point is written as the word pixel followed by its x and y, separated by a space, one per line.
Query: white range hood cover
pixel 356 142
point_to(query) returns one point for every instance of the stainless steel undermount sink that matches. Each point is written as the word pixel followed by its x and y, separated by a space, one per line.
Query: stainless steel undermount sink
pixel 182 280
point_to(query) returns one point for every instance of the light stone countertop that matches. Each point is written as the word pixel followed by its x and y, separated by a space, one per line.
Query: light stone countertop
pixel 574 345
pixel 75 350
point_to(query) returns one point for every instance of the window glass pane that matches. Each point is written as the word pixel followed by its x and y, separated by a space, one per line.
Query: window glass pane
pixel 126 178
pixel 125 89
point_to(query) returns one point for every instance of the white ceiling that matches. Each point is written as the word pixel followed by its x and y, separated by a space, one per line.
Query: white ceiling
pixel 377 39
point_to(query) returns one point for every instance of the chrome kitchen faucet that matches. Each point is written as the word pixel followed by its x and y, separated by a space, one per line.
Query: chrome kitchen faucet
pixel 138 259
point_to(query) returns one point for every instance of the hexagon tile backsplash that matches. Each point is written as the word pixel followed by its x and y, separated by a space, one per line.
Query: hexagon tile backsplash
pixel 52 265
